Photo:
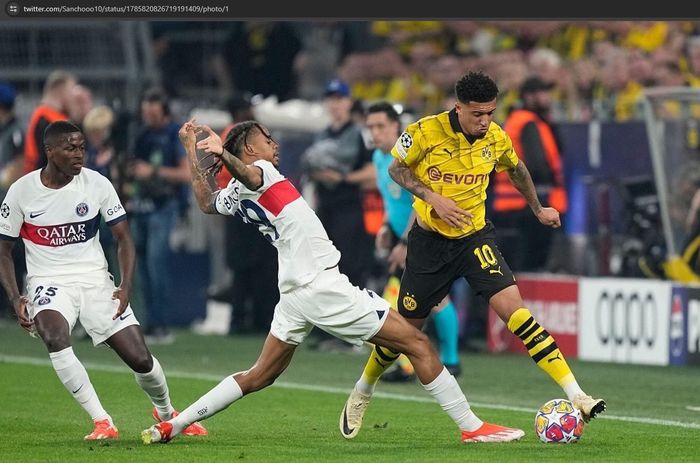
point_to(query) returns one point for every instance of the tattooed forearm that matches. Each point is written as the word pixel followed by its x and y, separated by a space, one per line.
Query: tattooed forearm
pixel 203 191
pixel 251 178
pixel 405 177
pixel 520 178
pixel 203 184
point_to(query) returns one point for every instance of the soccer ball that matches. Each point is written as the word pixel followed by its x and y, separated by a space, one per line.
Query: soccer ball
pixel 559 421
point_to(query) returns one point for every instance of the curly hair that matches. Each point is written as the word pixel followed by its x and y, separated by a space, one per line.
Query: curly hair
pixel 237 138
pixel 476 86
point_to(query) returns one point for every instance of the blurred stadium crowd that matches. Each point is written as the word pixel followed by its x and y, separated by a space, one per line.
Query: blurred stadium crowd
pixel 599 67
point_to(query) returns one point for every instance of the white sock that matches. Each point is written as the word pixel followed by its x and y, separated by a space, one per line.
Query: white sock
pixel 74 377
pixel 446 391
pixel 155 386
pixel 364 387
pixel 220 397
pixel 572 389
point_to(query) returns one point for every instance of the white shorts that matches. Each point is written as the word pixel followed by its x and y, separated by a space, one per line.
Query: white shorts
pixel 333 304
pixel 91 304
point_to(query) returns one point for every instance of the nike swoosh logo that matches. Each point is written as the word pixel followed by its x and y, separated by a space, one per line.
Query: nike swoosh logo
pixel 76 391
pixel 124 317
pixel 346 429
pixel 33 215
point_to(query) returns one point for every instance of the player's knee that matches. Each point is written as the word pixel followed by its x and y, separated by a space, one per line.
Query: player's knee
pixel 142 363
pixel 255 379
pixel 417 345
pixel 422 340
pixel 55 342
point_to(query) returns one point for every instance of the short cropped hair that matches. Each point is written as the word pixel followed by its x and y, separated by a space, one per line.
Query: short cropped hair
pixel 477 87
pixel 386 108
pixel 54 130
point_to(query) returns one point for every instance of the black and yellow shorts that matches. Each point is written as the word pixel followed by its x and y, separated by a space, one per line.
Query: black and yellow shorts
pixel 435 262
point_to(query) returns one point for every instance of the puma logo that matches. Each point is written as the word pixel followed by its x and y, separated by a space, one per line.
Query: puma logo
pixel 498 271
pixel 556 357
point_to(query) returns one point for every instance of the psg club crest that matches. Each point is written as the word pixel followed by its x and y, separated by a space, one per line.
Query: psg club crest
pixel 81 209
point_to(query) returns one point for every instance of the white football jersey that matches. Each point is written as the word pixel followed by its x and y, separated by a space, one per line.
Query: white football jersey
pixel 286 220
pixel 60 228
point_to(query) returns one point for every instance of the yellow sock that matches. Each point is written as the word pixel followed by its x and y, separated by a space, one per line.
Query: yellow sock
pixel 379 360
pixel 382 358
pixel 541 346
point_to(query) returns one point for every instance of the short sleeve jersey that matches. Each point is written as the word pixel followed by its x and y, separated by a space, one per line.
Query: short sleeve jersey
pixel 439 154
pixel 286 220
pixel 60 227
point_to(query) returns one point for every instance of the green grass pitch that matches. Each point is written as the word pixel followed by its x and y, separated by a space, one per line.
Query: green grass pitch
pixel 650 417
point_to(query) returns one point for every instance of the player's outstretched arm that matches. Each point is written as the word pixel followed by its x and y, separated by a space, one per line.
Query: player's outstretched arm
pixel 202 188
pixel 521 179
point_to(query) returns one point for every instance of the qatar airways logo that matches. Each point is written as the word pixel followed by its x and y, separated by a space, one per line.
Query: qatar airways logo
pixel 435 175
pixel 59 235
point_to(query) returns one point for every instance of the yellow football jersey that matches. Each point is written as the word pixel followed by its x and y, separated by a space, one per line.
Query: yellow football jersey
pixel 438 153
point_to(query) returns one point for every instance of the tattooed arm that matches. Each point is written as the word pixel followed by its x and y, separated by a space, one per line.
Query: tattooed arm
pixel 203 184
pixel 521 180
pixel 444 207
pixel 249 175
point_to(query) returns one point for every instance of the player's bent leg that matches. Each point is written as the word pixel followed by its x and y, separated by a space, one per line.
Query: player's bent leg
pixel 400 335
pixel 274 359
pixel 543 349
pixel 386 346
pixel 54 330
pixel 130 345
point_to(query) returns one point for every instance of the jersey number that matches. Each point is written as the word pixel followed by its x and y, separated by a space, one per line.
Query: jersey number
pixel 256 215
pixel 50 291
pixel 485 256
